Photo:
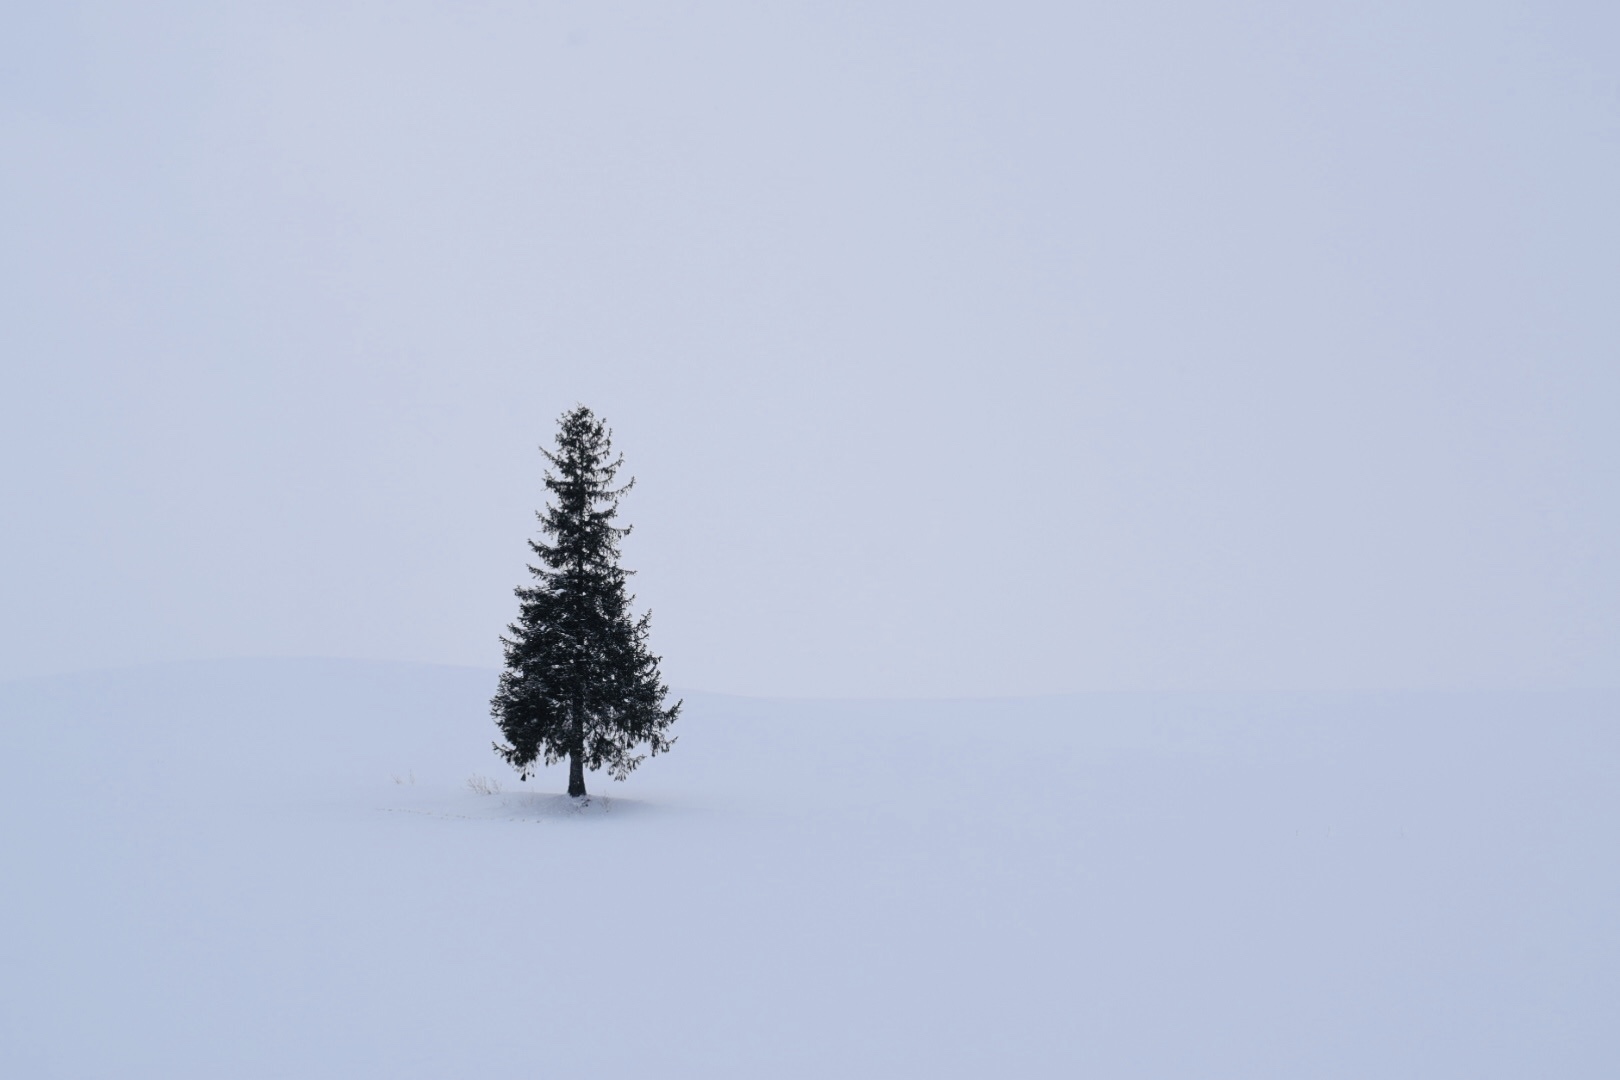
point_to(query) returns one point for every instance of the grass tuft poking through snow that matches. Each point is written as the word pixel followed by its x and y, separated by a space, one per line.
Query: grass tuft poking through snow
pixel 484 785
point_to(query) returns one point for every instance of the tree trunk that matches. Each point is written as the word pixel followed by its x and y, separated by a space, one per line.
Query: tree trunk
pixel 576 776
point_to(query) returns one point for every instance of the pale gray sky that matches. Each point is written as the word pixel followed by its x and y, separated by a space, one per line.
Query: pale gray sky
pixel 959 348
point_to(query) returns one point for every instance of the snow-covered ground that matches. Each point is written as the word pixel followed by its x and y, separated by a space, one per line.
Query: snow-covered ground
pixel 278 869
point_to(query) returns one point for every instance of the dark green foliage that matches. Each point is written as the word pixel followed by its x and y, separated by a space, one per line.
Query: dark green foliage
pixel 579 683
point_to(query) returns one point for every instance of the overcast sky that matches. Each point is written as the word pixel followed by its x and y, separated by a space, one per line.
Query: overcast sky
pixel 958 348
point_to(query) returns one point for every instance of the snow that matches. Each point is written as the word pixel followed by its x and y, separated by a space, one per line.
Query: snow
pixel 278 868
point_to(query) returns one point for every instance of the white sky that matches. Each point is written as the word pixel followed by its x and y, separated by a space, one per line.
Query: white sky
pixel 959 349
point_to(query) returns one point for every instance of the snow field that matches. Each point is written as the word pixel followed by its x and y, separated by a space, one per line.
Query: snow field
pixel 278 868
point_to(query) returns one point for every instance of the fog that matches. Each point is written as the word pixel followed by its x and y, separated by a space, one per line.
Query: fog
pixel 957 349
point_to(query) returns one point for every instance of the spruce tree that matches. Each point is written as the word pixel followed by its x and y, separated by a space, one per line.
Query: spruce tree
pixel 579 683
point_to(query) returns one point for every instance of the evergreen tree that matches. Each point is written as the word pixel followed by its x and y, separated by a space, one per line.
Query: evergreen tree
pixel 579 682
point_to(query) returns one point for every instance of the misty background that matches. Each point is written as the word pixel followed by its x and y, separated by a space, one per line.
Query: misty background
pixel 959 349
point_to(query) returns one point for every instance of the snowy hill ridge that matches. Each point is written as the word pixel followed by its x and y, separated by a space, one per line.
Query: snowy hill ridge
pixel 274 868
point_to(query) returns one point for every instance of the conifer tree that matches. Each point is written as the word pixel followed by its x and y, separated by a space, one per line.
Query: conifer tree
pixel 579 683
